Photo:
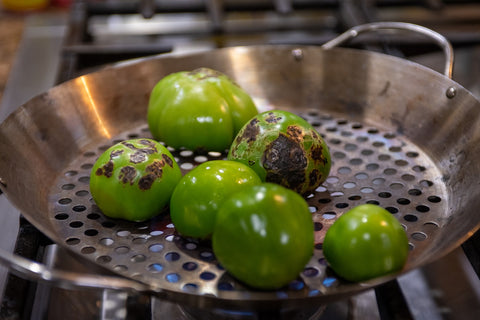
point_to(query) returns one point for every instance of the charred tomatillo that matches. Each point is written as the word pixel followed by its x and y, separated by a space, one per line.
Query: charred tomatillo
pixel 199 194
pixel 264 235
pixel 199 110
pixel 366 242
pixel 134 179
pixel 283 148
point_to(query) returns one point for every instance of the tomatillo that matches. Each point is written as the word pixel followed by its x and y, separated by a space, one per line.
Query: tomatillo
pixel 201 110
pixel 283 148
pixel 364 243
pixel 264 235
pixel 199 194
pixel 134 179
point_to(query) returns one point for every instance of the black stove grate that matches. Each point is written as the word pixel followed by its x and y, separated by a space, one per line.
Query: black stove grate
pixel 19 293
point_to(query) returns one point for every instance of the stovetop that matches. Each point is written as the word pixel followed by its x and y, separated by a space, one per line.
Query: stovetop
pixel 53 51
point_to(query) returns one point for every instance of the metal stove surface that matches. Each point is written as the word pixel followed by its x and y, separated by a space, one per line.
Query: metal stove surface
pixel 446 289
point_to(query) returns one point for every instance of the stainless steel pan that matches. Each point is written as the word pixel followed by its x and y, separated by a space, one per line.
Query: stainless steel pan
pixel 401 135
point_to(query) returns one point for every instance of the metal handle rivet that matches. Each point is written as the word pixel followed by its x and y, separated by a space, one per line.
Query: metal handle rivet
pixel 451 92
pixel 297 54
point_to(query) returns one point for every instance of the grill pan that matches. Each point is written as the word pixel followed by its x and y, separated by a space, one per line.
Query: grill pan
pixel 401 135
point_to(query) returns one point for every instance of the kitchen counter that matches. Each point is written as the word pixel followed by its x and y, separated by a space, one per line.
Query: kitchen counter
pixel 11 29
pixel 30 47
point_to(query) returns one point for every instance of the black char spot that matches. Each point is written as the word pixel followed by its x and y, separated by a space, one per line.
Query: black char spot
pixel 250 132
pixel 127 174
pixel 295 133
pixel 149 149
pixel 167 160
pixel 138 157
pixel 108 169
pixel 147 142
pixel 129 145
pixel 285 162
pixel 271 118
pixel 115 153
pixel 156 168
pixel 146 181
pixel 317 155
pixel 314 177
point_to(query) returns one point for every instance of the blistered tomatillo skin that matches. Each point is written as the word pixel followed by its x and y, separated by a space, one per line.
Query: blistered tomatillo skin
pixel 199 194
pixel 134 179
pixel 199 110
pixel 264 235
pixel 283 148
pixel 364 243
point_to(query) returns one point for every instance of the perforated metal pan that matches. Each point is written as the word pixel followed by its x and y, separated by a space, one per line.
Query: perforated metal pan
pixel 401 135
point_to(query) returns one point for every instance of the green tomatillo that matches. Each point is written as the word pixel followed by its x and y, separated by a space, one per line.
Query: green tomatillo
pixel 199 194
pixel 283 148
pixel 134 179
pixel 366 242
pixel 201 110
pixel 264 235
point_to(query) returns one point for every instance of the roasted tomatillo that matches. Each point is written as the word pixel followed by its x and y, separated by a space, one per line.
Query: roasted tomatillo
pixel 283 148
pixel 201 192
pixel 264 235
pixel 366 242
pixel 134 179
pixel 199 110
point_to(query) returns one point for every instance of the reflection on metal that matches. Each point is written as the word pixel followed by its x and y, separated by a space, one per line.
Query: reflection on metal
pixel 90 101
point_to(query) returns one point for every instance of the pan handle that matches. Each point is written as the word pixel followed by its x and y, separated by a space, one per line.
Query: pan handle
pixel 370 27
pixel 69 280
